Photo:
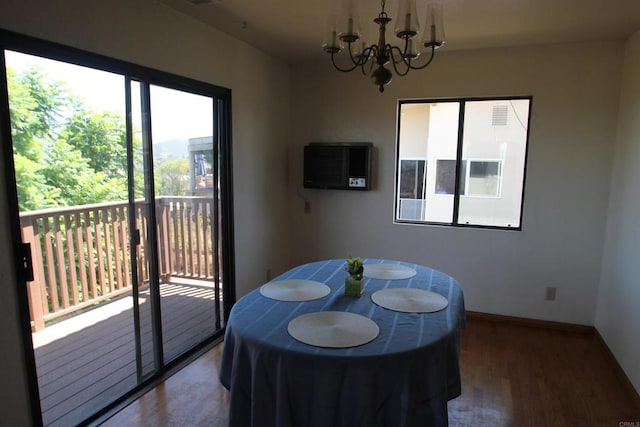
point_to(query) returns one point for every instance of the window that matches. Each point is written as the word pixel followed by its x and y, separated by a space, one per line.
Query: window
pixel 446 176
pixel 412 184
pixel 477 149
pixel 483 178
pixel 477 177
pixel 412 173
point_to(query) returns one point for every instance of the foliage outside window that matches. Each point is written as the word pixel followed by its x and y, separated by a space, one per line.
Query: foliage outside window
pixel 476 151
pixel 65 152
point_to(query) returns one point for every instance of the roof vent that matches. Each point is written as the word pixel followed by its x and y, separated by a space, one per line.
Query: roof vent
pixel 499 117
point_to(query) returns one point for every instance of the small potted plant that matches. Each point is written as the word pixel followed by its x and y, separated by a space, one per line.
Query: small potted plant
pixel 353 282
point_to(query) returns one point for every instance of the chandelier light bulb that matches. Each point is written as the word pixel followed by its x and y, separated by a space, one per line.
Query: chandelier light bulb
pixel 434 34
pixel 331 42
pixel 407 22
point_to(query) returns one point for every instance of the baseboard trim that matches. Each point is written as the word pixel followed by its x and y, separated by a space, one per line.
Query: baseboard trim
pixel 535 323
pixel 567 327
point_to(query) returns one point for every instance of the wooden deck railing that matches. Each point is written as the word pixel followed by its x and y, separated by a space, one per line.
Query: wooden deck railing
pixel 81 254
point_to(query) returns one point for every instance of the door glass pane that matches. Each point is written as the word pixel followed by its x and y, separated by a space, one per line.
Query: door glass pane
pixel 494 150
pixel 69 145
pixel 184 180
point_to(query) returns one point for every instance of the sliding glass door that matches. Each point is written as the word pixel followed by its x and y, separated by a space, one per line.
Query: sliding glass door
pixel 177 167
pixel 122 182
pixel 185 193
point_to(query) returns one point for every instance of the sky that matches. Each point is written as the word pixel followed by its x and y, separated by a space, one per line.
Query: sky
pixel 175 114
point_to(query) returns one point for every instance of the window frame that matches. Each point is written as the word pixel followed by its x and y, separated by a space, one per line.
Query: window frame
pixel 458 164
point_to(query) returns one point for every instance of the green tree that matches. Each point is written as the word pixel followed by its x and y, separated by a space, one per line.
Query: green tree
pixel 65 154
pixel 172 177
pixel 101 138
pixel 36 107
pixel 78 182
pixel 33 190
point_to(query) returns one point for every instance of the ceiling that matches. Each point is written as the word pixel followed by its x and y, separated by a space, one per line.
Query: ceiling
pixel 292 30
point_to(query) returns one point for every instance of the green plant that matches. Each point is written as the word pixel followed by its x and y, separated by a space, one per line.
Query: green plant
pixel 354 267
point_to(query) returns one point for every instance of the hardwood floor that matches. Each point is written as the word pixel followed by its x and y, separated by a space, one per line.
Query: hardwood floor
pixel 512 375
pixel 192 397
pixel 517 375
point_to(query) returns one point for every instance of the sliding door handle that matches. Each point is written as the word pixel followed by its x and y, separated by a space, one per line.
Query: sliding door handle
pixel 26 266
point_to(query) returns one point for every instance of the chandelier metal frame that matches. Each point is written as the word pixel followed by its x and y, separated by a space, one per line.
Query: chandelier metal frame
pixel 382 53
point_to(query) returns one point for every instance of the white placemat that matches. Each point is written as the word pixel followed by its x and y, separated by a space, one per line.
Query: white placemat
pixel 295 290
pixel 409 300
pixel 388 271
pixel 334 329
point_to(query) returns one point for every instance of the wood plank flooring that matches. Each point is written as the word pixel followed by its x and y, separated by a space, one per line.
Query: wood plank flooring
pixel 93 362
pixel 512 375
pixel 517 375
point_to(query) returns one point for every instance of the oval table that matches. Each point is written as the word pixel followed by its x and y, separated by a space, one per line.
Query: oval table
pixel 403 377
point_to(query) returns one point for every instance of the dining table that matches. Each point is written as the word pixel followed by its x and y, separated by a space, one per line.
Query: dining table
pixel 299 352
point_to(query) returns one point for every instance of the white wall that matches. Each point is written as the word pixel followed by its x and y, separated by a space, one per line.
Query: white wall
pixel 148 33
pixel 618 314
pixel 575 89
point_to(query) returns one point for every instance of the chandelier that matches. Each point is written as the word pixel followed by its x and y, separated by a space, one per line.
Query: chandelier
pixel 402 59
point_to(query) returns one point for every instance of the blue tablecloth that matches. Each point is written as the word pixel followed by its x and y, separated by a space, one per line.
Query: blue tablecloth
pixel 404 377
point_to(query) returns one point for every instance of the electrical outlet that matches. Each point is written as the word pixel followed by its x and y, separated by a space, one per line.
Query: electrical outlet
pixel 550 293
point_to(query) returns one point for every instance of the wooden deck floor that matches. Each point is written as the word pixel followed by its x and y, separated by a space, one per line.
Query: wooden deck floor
pixel 87 361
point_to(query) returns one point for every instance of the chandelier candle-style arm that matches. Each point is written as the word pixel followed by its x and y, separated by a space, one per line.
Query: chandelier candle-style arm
pixel 358 60
pixel 356 64
pixel 407 61
pixel 402 59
